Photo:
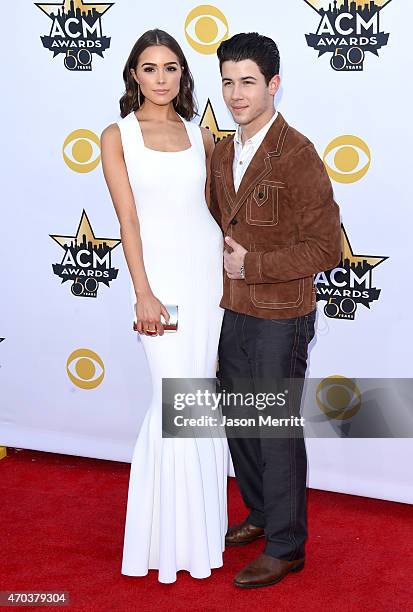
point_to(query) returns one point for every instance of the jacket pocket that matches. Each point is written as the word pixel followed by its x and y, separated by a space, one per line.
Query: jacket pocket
pixel 288 294
pixel 262 204
pixel 276 296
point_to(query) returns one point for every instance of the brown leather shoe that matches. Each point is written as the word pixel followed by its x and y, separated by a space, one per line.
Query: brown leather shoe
pixel 266 570
pixel 243 533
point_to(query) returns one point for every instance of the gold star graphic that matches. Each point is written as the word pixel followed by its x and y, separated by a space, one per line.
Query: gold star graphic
pixel 347 253
pixel 51 9
pixel 208 120
pixel 317 5
pixel 84 229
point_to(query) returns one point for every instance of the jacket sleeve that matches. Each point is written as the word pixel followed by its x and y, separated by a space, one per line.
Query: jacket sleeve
pixel 213 197
pixel 318 226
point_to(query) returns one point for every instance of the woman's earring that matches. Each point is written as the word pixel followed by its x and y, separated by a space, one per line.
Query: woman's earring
pixel 139 90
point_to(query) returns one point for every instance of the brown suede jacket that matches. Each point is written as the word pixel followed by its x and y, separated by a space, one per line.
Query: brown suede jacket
pixel 285 215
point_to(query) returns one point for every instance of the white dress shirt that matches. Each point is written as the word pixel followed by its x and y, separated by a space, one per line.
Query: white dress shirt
pixel 243 154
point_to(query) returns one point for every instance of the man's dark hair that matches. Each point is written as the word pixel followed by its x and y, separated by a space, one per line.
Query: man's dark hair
pixel 253 46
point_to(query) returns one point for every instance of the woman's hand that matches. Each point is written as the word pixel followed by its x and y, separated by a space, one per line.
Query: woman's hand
pixel 148 315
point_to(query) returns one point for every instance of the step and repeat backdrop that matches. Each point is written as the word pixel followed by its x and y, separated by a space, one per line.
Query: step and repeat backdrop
pixel 73 373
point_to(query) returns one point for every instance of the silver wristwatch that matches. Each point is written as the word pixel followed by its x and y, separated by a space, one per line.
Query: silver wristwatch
pixel 242 271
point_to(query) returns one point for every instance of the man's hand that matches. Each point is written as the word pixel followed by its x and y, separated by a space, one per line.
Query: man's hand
pixel 233 261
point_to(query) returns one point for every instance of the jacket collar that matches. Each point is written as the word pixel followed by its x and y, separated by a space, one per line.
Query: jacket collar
pixel 259 136
pixel 259 167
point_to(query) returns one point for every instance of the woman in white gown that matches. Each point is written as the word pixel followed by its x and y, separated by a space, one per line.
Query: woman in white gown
pixel 156 165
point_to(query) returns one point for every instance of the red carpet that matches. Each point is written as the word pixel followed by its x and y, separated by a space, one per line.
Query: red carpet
pixel 62 521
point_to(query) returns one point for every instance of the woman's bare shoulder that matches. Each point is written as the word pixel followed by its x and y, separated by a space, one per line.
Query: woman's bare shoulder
pixel 111 133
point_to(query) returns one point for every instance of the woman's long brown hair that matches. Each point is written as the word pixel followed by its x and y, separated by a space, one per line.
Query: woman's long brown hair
pixel 184 103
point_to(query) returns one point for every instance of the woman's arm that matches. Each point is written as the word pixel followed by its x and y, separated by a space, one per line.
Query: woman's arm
pixel 209 145
pixel 116 176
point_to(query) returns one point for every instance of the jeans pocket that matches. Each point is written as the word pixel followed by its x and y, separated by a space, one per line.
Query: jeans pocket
pixel 289 321
pixel 309 325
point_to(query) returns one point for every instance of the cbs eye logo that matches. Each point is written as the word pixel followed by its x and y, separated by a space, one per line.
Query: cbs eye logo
pixel 347 159
pixel 205 28
pixel 81 151
pixel 338 397
pixel 85 368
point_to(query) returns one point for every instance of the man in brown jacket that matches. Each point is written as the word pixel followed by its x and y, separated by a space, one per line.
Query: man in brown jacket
pixel 273 199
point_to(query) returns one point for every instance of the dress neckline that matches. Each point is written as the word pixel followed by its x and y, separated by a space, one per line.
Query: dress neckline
pixel 157 150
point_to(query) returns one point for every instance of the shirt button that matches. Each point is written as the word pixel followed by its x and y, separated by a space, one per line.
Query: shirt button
pixel 234 222
pixel 240 162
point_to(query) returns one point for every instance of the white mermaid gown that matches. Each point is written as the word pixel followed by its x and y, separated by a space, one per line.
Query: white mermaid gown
pixel 177 501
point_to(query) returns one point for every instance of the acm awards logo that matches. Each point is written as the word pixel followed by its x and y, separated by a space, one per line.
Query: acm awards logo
pixel 86 260
pixel 349 284
pixel 76 32
pixel 348 29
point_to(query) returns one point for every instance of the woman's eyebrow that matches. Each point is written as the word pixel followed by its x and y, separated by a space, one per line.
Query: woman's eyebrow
pixel 153 64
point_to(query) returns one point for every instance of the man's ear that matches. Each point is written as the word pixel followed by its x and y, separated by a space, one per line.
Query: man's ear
pixel 274 84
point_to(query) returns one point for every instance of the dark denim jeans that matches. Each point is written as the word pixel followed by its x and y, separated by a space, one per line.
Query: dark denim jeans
pixel 271 472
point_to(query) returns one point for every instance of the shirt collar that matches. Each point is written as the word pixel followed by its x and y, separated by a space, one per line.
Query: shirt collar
pixel 254 139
